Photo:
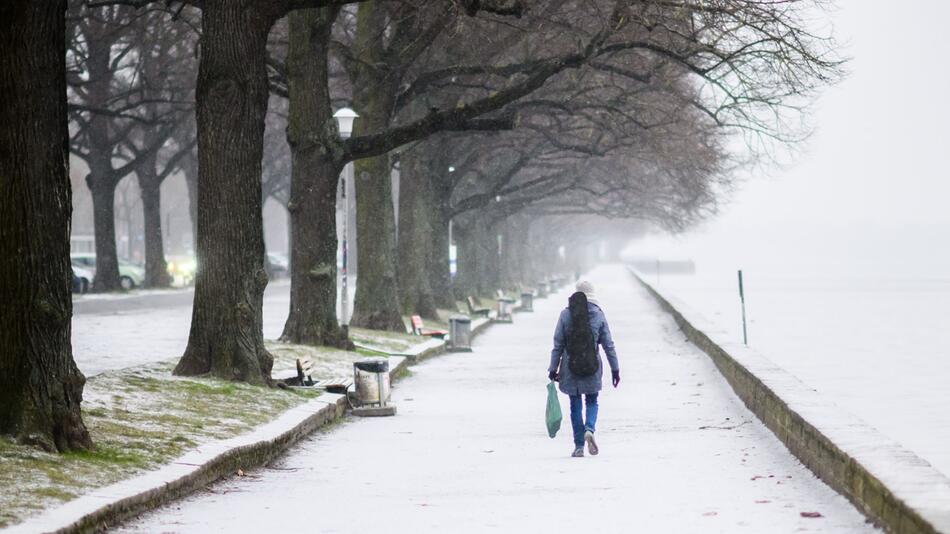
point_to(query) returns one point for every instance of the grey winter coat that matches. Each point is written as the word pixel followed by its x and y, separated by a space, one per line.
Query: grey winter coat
pixel 574 385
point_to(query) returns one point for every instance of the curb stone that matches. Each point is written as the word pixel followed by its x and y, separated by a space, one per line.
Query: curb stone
pixel 893 487
pixel 110 505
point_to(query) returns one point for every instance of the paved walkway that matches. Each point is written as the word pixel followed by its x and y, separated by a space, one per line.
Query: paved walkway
pixel 468 451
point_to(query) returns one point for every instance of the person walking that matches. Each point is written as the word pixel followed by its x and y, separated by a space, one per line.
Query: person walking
pixel 576 363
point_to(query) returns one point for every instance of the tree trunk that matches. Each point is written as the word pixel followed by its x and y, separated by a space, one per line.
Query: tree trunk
pixel 102 186
pixel 226 338
pixel 377 292
pixel 512 252
pixel 40 385
pixel 438 268
pixel 156 269
pixel 312 319
pixel 101 179
pixel 415 233
pixel 376 304
pixel 467 258
pixel 487 265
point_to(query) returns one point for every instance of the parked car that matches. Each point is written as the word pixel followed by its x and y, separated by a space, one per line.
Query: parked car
pixel 130 274
pixel 82 280
pixel 182 268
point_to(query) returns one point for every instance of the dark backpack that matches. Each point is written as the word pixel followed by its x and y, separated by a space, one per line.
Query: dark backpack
pixel 581 352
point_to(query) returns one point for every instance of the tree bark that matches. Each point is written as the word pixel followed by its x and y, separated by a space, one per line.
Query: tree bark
pixel 488 270
pixel 377 292
pixel 226 338
pixel 101 179
pixel 314 177
pixel 438 268
pixel 416 235
pixel 156 268
pixel 102 186
pixel 466 260
pixel 40 385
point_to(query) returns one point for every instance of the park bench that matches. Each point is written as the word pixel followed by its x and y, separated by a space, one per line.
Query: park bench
pixel 474 309
pixel 505 306
pixel 419 329
pixel 336 384
pixel 304 369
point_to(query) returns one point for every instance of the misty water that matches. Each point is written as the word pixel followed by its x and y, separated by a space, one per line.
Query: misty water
pixel 861 319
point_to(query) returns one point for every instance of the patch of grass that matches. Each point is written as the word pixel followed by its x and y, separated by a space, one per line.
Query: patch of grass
pixel 387 341
pixel 139 419
pixel 143 418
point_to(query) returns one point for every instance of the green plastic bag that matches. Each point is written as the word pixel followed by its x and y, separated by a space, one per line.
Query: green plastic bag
pixel 552 414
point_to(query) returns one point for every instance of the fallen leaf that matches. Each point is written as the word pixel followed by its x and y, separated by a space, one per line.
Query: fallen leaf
pixel 811 514
pixel 710 514
pixel 763 502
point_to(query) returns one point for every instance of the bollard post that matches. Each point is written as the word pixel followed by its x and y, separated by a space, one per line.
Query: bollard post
pixel 745 336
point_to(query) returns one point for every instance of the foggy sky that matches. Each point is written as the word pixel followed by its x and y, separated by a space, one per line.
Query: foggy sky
pixel 869 190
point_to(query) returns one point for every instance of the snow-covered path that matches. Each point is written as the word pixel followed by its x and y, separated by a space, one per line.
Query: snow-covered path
pixel 468 451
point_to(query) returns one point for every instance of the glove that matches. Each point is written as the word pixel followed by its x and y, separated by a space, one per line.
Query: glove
pixel 553 376
pixel 615 376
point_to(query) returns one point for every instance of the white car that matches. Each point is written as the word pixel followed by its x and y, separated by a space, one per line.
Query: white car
pixel 82 280
pixel 130 275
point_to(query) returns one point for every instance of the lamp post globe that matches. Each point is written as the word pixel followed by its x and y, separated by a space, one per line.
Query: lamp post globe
pixel 344 119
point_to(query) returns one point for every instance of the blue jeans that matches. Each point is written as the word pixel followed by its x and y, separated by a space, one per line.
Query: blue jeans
pixel 577 416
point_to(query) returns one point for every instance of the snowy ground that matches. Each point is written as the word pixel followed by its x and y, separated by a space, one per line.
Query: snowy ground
pixel 876 345
pixel 119 331
pixel 468 451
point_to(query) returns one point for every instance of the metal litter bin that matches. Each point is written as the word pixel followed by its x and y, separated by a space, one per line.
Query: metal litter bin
pixel 504 309
pixel 460 334
pixel 371 378
pixel 527 301
pixel 542 289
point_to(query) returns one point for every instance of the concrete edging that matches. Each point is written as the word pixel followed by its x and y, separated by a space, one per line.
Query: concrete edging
pixel 109 505
pixel 196 469
pixel 889 484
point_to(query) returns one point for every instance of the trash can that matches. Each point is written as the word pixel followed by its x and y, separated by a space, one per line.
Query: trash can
pixel 371 378
pixel 542 289
pixel 460 334
pixel 504 309
pixel 527 301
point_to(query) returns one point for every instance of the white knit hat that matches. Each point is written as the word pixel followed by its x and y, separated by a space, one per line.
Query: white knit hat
pixel 587 289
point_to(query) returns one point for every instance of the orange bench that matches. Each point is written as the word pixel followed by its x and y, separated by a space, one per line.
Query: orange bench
pixel 419 329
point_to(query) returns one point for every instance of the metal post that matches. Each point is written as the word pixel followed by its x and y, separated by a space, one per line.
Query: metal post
pixel 745 336
pixel 345 297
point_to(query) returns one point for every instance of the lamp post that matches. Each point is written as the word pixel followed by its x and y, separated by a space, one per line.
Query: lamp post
pixel 344 118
